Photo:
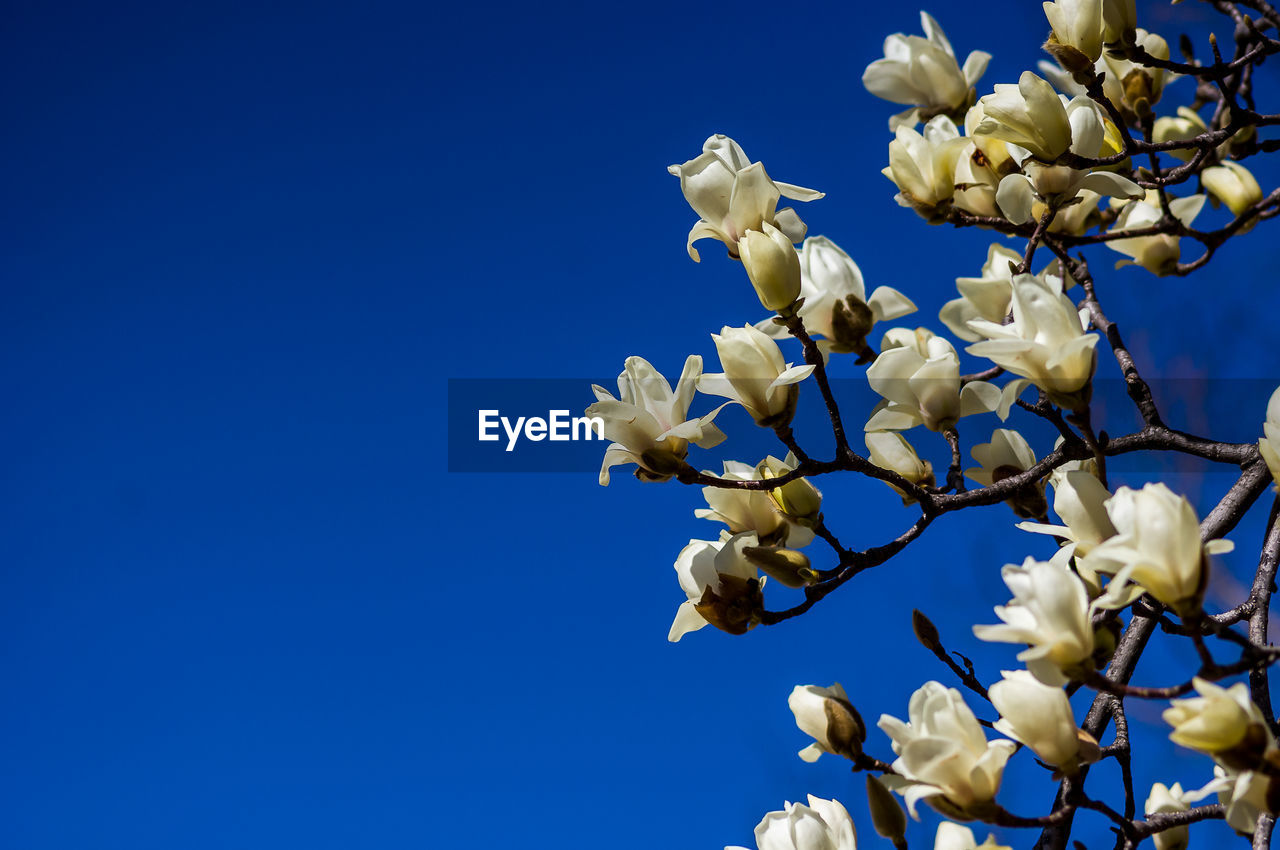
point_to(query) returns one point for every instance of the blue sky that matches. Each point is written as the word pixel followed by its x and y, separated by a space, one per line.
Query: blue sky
pixel 244 602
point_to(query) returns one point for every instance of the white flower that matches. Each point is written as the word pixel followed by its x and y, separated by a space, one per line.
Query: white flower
pixel 1079 499
pixel 923 167
pixel 1077 24
pixel 827 716
pixel 1119 17
pixel 918 374
pixel 1046 342
pixel 755 375
pixel 943 756
pixel 722 585
pixel 1039 716
pixel 733 195
pixel 1167 800
pixel 1269 445
pixel 1244 794
pixel 1231 183
pixel 750 510
pixel 1049 612
pixel 835 303
pixel 1187 125
pixel 1134 88
pixel 647 422
pixel 890 450
pixel 1156 547
pixel 982 162
pixel 953 836
pixel 1029 115
pixel 1020 196
pixel 986 297
pixel 1008 454
pixel 923 72
pixel 1222 722
pixel 821 825
pixel 1157 254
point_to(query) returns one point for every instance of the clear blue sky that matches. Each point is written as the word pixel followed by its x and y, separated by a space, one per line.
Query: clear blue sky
pixel 242 602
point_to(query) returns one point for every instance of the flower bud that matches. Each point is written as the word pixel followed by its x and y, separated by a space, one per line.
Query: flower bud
pixel 926 632
pixel 1077 27
pixel 773 266
pixel 1120 21
pixel 888 818
pixel 827 716
pixel 797 500
pixel 1166 800
pixel 787 566
pixel 890 450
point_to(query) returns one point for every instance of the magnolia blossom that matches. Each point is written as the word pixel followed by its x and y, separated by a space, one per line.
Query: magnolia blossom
pixel 1079 499
pixel 1156 547
pixel 985 297
pixel 836 307
pixel 797 500
pixel 923 72
pixel 943 755
pixel 1046 342
pixel 1050 612
pixel 982 163
pixel 1028 115
pixel 890 450
pixel 750 510
pixel 821 825
pixel 722 585
pixel 647 421
pixel 772 266
pixel 1244 793
pixel 1231 183
pixel 1222 722
pixel 1134 88
pixel 732 195
pixel 1166 800
pixel 1039 716
pixel 1269 445
pixel 1007 455
pixel 953 836
pixel 923 167
pixel 755 375
pixel 1157 254
pixel 827 716
pixel 1187 124
pixel 1119 19
pixel 1077 31
pixel 1041 182
pixel 919 376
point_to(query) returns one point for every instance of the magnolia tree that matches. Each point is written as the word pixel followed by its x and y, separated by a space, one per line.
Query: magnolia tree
pixel 1076 164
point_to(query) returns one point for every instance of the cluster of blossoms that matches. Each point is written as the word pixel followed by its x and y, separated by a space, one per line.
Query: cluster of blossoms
pixel 1049 159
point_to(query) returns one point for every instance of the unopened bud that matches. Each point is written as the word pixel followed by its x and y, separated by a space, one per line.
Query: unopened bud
pixel 787 566
pixel 773 266
pixel 888 818
pixel 926 631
